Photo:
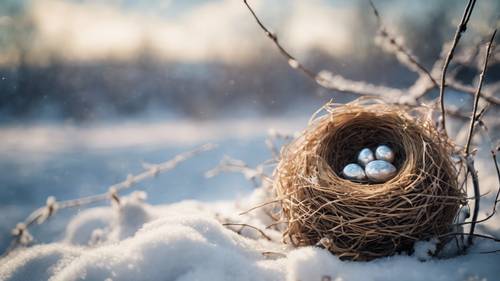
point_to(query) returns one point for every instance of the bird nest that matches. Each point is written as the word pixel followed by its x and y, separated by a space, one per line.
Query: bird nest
pixel 360 220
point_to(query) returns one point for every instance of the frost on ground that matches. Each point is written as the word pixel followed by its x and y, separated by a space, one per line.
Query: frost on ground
pixel 186 241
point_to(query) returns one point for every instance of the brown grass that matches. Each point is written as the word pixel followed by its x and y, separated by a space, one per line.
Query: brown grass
pixel 363 221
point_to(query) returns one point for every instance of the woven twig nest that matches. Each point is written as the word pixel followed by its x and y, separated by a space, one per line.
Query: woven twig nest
pixel 362 221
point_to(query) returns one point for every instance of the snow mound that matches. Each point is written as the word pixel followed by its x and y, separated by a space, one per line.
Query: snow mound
pixel 317 264
pixel 185 241
pixel 182 241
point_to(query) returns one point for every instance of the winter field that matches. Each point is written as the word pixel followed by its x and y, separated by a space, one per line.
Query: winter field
pixel 170 228
pixel 167 118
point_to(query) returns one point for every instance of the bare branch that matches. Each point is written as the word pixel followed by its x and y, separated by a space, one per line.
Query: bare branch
pixel 487 252
pixel 470 160
pixel 339 84
pixel 475 183
pixel 294 63
pixel 20 232
pixel 496 201
pixel 458 34
pixel 486 94
pixel 423 85
pixel 228 164
pixel 469 234
pixel 493 152
pixel 411 61
pixel 478 93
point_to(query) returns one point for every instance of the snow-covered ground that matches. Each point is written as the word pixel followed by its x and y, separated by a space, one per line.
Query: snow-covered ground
pixel 67 161
pixel 173 230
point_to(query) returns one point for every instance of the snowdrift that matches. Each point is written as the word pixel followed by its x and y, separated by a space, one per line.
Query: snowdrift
pixel 185 241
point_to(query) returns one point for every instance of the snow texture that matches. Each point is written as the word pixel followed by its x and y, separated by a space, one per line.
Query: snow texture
pixel 184 241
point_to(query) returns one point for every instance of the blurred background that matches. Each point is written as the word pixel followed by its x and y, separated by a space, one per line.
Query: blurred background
pixel 90 89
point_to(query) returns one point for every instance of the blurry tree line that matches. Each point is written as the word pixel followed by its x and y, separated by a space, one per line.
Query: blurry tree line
pixel 91 90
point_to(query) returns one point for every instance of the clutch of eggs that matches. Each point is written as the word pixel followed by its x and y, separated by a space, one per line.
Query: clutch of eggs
pixel 377 166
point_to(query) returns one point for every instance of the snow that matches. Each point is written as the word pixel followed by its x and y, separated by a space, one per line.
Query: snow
pixel 176 245
pixel 185 239
pixel 425 249
pixel 41 139
pixel 313 264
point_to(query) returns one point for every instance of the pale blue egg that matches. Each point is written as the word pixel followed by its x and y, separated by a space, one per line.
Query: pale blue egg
pixel 380 171
pixel 383 152
pixel 365 156
pixel 354 172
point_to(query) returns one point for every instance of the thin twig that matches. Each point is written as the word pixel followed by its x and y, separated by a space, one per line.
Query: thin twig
pixel 294 63
pixel 270 254
pixel 41 214
pixel 487 94
pixel 413 64
pixel 259 206
pixel 469 159
pixel 401 49
pixel 330 82
pixel 421 87
pixel 487 252
pixel 256 175
pixel 493 153
pixel 458 34
pixel 475 183
pixel 494 156
pixel 252 227
pixel 469 234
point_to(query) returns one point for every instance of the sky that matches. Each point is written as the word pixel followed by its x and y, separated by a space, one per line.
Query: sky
pixel 203 30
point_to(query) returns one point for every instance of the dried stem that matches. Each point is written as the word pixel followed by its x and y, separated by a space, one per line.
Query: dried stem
pixel 458 34
pixel 256 175
pixel 152 170
pixel 473 118
pixel 325 80
pixel 294 63
pixel 412 60
pixel 487 94
pixel 469 234
pixel 262 233
pixel 475 183
pixel 270 254
pixel 494 156
pixel 413 64
pixel 469 159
